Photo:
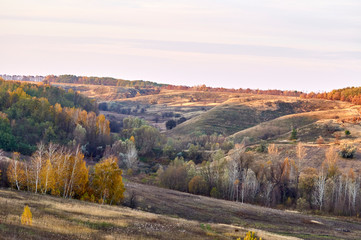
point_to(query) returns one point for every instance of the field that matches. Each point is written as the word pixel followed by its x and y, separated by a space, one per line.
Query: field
pixel 164 214
pixel 57 218
pixel 205 209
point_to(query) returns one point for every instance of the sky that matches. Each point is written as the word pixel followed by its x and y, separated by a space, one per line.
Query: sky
pixel 308 45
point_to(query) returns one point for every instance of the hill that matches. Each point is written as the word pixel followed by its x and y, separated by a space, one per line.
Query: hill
pixel 248 111
pixel 57 218
pixel 310 125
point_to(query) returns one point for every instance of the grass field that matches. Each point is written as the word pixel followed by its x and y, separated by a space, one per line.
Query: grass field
pixel 310 125
pixel 210 210
pixel 248 111
pixel 163 214
pixel 57 218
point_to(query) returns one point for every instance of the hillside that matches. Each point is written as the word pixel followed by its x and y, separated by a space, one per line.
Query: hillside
pixel 248 111
pixel 57 218
pixel 310 125
pixel 205 209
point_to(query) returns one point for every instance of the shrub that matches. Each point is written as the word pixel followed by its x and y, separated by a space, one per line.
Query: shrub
pixel 262 148
pixel 214 193
pixel 347 151
pixel 181 120
pixel 250 236
pixel 320 140
pixel 26 217
pixel 302 204
pixel 170 124
pixel 197 185
pixel 347 133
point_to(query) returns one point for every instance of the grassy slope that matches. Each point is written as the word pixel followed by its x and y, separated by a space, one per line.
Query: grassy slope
pixel 185 216
pixel 57 218
pixel 248 111
pixel 310 125
pixel 205 209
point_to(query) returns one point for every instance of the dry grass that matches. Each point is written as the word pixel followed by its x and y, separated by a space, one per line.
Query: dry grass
pixel 265 221
pixel 57 218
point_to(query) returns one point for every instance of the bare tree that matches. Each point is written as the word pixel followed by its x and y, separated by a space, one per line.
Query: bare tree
pixel 319 191
pixel 131 157
pixel 37 161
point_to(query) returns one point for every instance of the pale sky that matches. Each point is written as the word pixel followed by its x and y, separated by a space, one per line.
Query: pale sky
pixel 267 44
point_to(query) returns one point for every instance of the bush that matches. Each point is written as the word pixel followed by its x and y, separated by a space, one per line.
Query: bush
pixel 198 186
pixel 26 217
pixel 250 236
pixel 262 148
pixel 214 193
pixel 181 120
pixel 302 204
pixel 347 151
pixel 170 124
pixel 347 133
pixel 320 140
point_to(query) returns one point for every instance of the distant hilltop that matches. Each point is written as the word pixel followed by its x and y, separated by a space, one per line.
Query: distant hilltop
pixel 22 78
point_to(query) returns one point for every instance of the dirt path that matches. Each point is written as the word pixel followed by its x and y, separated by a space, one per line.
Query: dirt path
pixel 209 210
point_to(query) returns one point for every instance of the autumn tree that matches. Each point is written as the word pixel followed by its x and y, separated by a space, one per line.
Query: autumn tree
pixel 16 173
pixel 26 217
pixel 197 185
pixel 108 182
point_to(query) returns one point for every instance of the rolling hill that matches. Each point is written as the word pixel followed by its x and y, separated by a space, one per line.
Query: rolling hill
pixel 245 112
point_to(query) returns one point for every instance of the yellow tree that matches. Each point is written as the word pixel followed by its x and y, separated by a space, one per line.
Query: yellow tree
pixel 108 182
pixel 15 172
pixel 102 126
pixel 78 175
pixel 26 217
pixel 70 173
pixel 47 179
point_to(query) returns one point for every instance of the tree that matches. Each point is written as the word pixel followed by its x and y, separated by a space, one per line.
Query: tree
pixel 15 172
pixel 197 185
pixel 175 176
pixel 47 179
pixel 147 138
pixel 108 182
pixel 26 217
pixel 170 124
pixel 76 177
pixel 293 134
pixel 319 191
pixel 36 163
pixel 131 157
pixel 181 120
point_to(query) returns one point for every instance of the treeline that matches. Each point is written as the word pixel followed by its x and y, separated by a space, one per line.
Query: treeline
pixel 60 171
pixel 205 88
pixel 107 81
pixel 350 94
pixel 238 176
pixel 32 113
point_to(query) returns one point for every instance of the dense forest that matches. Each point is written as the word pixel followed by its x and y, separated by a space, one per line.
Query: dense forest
pixel 31 113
